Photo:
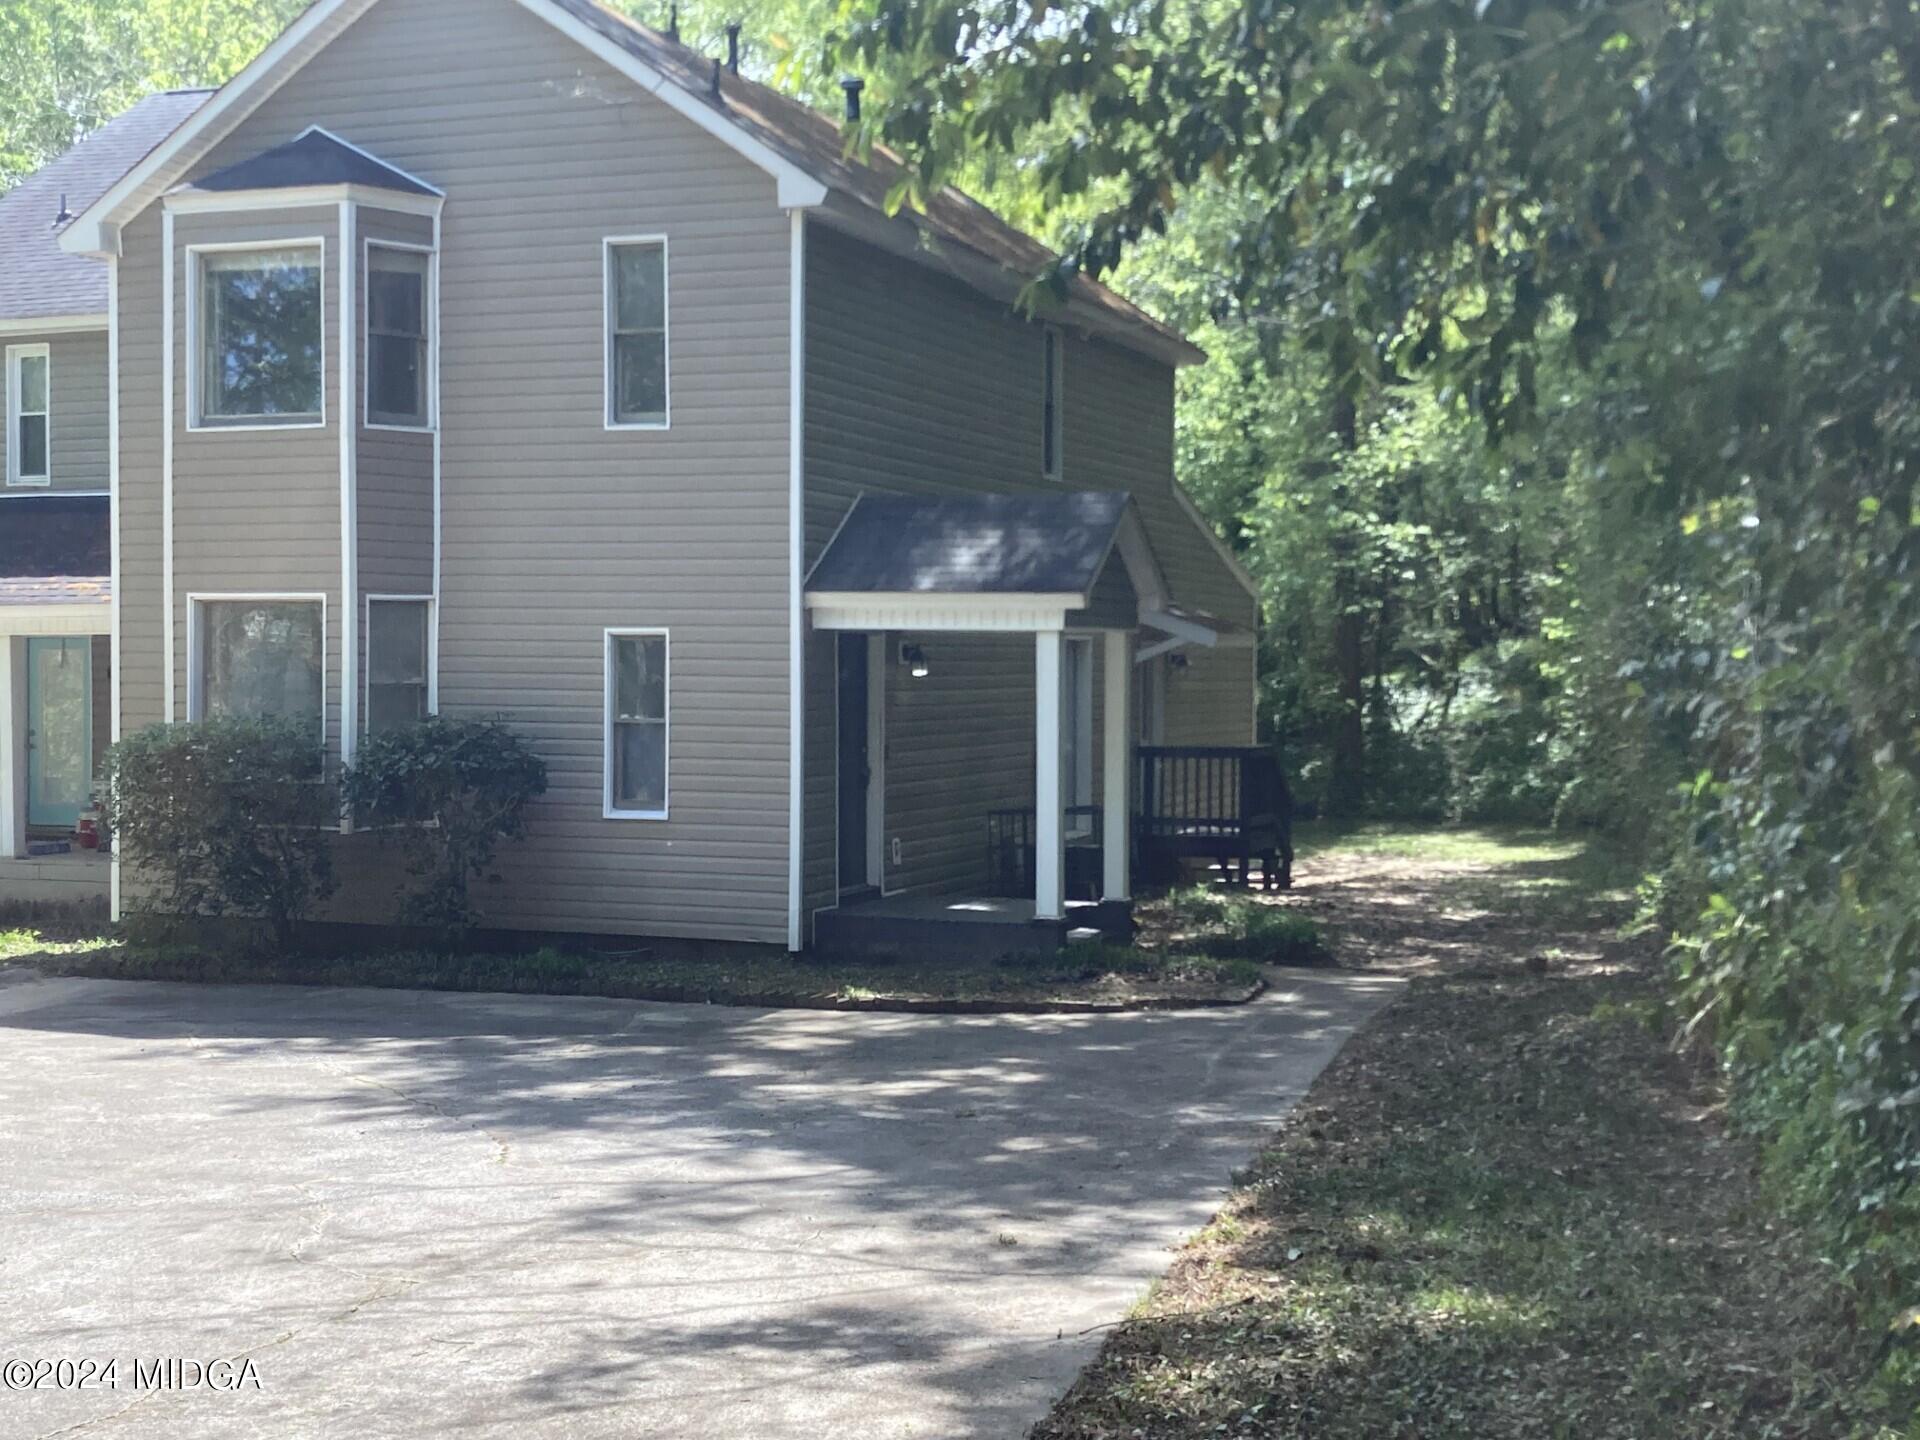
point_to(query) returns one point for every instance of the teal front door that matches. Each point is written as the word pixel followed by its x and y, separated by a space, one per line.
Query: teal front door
pixel 59 730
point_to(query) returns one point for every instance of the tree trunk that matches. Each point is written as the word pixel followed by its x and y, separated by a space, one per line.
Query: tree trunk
pixel 1347 783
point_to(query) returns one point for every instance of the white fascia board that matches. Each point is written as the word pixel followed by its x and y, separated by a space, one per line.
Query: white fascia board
pixel 798 188
pixel 86 618
pixel 302 197
pixel 858 610
pixel 52 324
pixel 96 232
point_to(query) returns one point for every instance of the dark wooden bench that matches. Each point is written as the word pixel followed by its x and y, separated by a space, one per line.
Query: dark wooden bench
pixel 1227 804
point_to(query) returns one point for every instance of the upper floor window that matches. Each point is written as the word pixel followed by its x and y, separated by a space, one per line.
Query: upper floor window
pixel 397 661
pixel 261 340
pixel 636 719
pixel 261 657
pixel 1052 412
pixel 29 406
pixel 636 285
pixel 398 316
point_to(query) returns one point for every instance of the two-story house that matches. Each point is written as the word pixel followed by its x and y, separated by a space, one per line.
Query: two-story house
pixel 505 356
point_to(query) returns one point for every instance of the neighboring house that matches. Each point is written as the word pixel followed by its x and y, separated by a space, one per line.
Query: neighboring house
pixel 56 616
pixel 504 356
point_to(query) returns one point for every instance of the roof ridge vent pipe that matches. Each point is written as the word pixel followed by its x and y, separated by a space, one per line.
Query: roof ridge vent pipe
pixel 853 85
pixel 673 24
pixel 713 85
pixel 733 47
pixel 65 214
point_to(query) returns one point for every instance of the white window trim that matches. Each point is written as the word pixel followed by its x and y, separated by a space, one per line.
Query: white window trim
pixel 195 425
pixel 607 246
pixel 430 381
pixel 15 355
pixel 433 651
pixel 607 699
pixel 196 640
pixel 1052 337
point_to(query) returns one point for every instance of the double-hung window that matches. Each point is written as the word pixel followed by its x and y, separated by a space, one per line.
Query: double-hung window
pixel 636 724
pixel 260 658
pixel 29 409
pixel 399 304
pixel 1076 733
pixel 261 318
pixel 397 662
pixel 1052 410
pixel 636 284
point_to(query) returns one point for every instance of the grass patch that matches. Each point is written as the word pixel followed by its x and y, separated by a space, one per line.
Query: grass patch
pixel 1082 975
pixel 1507 1209
pixel 1236 924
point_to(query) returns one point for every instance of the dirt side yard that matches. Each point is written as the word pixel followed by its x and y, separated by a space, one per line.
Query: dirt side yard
pixel 1508 1209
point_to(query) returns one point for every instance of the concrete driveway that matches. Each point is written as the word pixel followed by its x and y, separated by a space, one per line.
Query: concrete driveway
pixel 429 1214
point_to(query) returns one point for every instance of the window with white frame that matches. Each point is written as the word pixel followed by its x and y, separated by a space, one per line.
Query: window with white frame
pixel 397 660
pixel 1052 412
pixel 29 413
pixel 260 658
pixel 261 319
pixel 1076 731
pixel 399 314
pixel 637 333
pixel 636 724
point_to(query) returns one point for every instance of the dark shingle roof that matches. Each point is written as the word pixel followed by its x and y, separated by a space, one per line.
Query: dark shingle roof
pixel 43 536
pixel 312 158
pixel 814 143
pixel 37 277
pixel 976 545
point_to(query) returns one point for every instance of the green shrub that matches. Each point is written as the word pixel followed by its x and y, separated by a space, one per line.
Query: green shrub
pixel 1232 926
pixel 450 791
pixel 224 817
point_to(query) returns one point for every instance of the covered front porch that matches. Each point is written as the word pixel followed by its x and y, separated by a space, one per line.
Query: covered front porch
pixel 56 691
pixel 988 656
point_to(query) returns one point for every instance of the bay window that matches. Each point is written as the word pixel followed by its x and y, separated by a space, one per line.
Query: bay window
pixel 259 658
pixel 397 661
pixel 398 316
pixel 261 341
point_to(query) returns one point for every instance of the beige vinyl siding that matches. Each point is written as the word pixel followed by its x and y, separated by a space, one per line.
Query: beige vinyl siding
pixel 137 507
pixel 77 404
pixel 918 385
pixel 257 511
pixel 553 528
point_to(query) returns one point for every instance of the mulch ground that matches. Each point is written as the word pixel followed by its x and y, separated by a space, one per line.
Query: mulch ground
pixel 1509 1208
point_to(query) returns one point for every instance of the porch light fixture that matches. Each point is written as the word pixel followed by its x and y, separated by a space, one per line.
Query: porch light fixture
pixel 915 661
pixel 1177 662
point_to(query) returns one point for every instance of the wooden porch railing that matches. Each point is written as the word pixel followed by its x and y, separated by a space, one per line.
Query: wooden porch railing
pixel 1223 803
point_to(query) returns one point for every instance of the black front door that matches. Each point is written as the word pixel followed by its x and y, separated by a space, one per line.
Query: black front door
pixel 855 770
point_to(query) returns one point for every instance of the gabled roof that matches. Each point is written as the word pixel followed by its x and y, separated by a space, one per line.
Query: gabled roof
pixel 315 157
pixel 972 545
pixel 50 534
pixel 40 280
pixel 802 150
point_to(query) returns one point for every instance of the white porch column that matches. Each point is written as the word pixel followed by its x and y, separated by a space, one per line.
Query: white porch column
pixel 1117 753
pixel 1049 832
pixel 13 747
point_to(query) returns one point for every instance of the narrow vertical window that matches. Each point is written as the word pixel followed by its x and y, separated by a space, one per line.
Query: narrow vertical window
pixel 636 724
pixel 637 333
pixel 1076 734
pixel 1052 432
pixel 398 291
pixel 397 660
pixel 29 407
